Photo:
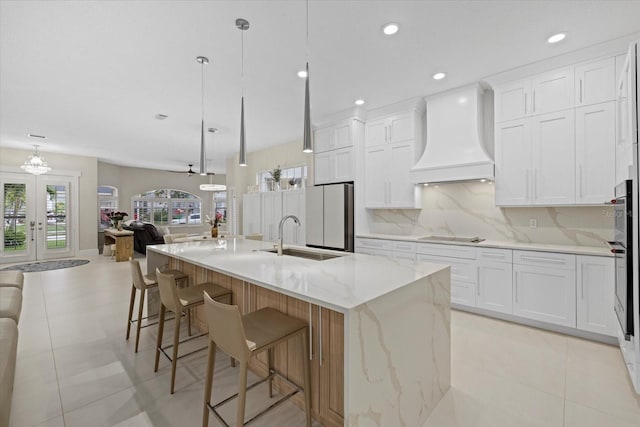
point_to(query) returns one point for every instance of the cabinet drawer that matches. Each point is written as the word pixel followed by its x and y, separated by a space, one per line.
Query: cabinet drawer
pixel 404 255
pixel 463 293
pixel 547 259
pixel 374 244
pixel 494 255
pixel 462 270
pixel 467 252
pixel 372 251
pixel 404 247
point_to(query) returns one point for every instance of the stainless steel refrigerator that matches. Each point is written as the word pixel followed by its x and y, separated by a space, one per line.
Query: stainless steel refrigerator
pixel 329 210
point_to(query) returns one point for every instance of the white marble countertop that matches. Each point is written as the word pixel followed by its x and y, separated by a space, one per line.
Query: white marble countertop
pixel 603 250
pixel 339 284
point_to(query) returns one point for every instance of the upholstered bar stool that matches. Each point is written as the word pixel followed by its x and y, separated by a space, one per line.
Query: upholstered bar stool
pixel 141 283
pixel 11 278
pixel 180 300
pixel 244 336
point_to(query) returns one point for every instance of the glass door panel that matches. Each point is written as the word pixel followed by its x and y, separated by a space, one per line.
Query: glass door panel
pixel 53 218
pixel 18 227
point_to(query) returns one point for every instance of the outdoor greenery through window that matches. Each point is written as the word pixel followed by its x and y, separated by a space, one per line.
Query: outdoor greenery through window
pixel 108 202
pixel 167 207
pixel 14 215
pixel 56 216
pixel 292 177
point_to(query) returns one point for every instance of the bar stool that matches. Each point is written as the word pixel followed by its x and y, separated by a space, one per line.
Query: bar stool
pixel 178 300
pixel 142 283
pixel 244 336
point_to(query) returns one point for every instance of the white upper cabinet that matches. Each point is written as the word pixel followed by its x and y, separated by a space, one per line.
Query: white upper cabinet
pixel 271 214
pixel 512 101
pixel 334 159
pixel 595 82
pixel 555 136
pixel 393 144
pixel 552 91
pixel 553 167
pixel 293 203
pixel 595 153
pixel 624 122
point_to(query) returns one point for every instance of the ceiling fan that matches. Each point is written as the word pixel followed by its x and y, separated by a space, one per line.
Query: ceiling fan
pixel 191 171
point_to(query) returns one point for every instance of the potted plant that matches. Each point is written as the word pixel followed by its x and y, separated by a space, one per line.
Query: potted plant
pixel 213 222
pixel 275 176
pixel 116 219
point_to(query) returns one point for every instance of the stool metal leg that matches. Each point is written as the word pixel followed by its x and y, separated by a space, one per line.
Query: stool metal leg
pixel 174 359
pixel 160 332
pixel 208 385
pixel 270 365
pixel 131 302
pixel 307 375
pixel 142 293
pixel 242 392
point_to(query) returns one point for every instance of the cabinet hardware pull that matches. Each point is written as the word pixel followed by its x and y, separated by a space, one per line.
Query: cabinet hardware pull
pixel 534 101
pixel 580 177
pixel 535 258
pixel 582 282
pixel 525 103
pixel 478 281
pixel 528 184
pixel 386 137
pixel 310 333
pixel 320 332
pixel 535 184
pixel 515 286
pixel 580 91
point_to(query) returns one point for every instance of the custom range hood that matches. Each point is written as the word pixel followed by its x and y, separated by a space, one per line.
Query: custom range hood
pixel 455 149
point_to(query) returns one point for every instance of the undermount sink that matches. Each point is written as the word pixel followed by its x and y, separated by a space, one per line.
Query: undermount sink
pixel 316 256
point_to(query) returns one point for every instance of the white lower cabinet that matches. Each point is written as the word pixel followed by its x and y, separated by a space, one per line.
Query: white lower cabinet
pixel 464 272
pixel 495 280
pixel 373 247
pixel 544 287
pixel 595 295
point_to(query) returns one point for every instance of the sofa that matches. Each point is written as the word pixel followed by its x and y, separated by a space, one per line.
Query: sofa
pixel 144 233
pixel 11 283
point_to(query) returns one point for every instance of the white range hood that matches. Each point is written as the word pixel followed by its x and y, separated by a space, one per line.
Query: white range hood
pixel 455 149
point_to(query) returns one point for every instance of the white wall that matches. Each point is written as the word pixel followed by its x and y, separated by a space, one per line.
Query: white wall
pixel 87 186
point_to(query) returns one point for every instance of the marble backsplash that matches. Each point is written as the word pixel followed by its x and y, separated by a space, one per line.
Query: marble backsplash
pixel 468 209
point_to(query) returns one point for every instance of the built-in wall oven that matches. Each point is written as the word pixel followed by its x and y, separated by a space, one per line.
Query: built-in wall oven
pixel 622 247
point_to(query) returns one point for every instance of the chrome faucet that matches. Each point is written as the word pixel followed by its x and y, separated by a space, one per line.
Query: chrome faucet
pixel 280 230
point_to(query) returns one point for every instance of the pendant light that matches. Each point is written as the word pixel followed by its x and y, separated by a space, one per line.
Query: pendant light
pixel 306 134
pixel 35 164
pixel 242 25
pixel 202 60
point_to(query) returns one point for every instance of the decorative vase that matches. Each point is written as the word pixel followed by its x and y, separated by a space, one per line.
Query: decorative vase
pixel 119 225
pixel 214 231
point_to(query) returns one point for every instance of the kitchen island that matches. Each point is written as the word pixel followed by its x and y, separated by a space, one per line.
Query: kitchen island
pixel 380 327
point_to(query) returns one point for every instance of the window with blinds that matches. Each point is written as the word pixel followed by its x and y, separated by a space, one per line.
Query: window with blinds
pixel 14 214
pixel 57 209
pixel 167 207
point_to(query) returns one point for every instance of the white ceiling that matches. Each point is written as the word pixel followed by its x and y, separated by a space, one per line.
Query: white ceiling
pixel 91 75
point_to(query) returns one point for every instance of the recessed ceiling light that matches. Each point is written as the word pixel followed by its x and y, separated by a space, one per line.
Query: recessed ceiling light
pixel 302 74
pixel 390 29
pixel 359 101
pixel 161 116
pixel 33 135
pixel 439 76
pixel 556 38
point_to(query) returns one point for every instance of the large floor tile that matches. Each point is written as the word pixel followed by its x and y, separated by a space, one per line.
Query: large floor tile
pixel 577 415
pixel 53 422
pixel 33 405
pixel 34 370
pixel 597 378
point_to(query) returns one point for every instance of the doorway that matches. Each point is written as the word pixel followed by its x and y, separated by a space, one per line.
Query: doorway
pixel 37 220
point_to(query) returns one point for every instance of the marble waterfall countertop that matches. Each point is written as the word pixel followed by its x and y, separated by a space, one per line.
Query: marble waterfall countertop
pixel 603 250
pixel 339 284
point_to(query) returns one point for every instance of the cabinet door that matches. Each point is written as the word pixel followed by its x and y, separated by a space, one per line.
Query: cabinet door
pixel 376 177
pixel 553 91
pixel 595 82
pixel 513 163
pixel 343 162
pixel 343 135
pixel 375 133
pixel 553 144
pixel 251 213
pixel 324 139
pixel 595 289
pixel 293 203
pixel 495 286
pixel 624 124
pixel 271 214
pixel 512 101
pixel 595 153
pixel 401 128
pixel 544 293
pixel 463 277
pixel 401 190
pixel 323 168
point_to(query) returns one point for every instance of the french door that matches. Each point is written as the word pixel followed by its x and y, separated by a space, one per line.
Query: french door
pixel 36 214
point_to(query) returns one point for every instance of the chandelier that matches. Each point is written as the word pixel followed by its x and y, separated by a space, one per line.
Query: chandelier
pixel 35 164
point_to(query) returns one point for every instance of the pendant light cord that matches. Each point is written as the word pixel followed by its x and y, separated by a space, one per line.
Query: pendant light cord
pixel 242 62
pixel 307 52
pixel 202 87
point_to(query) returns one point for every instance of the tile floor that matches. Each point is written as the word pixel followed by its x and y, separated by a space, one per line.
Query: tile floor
pixel 76 369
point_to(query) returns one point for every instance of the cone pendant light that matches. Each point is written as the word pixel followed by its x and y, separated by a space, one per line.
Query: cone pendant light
pixel 307 145
pixel 203 159
pixel 242 25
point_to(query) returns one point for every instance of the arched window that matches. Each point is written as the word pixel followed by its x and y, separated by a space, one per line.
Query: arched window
pixel 167 207
pixel 107 203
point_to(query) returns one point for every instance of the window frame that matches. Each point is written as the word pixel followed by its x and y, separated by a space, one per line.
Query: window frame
pixel 171 205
